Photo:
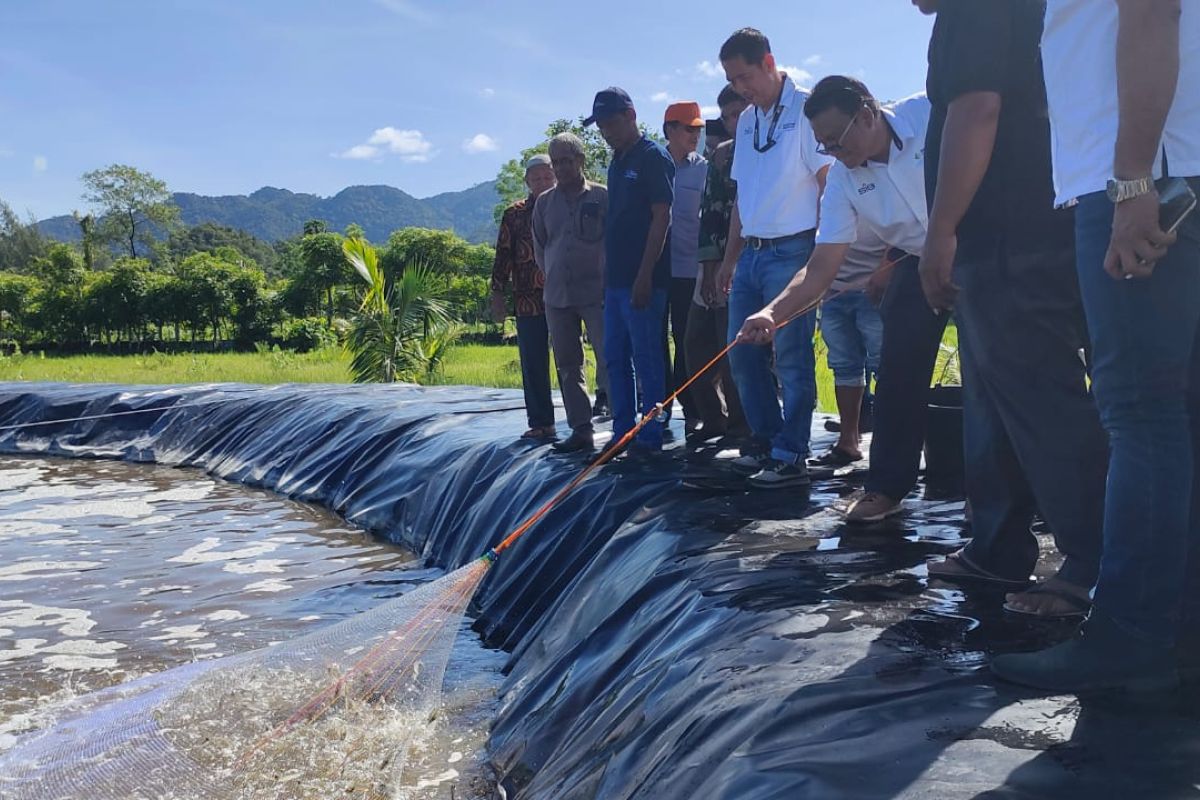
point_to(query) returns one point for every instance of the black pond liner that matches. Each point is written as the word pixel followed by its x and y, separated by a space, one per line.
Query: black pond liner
pixel 666 642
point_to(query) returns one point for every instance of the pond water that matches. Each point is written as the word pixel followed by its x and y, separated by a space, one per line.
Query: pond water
pixel 111 570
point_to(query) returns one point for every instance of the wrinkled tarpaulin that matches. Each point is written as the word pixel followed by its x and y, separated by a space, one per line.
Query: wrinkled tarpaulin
pixel 667 643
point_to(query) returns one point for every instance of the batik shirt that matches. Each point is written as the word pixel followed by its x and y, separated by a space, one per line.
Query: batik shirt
pixel 515 261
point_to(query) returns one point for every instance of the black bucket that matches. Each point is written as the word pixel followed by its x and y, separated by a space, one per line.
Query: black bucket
pixel 944 443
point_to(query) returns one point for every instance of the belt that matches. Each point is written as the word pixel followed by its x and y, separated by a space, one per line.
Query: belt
pixel 758 242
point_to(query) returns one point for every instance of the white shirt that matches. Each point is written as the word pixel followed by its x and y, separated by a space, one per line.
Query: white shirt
pixel 1079 55
pixel 778 193
pixel 887 199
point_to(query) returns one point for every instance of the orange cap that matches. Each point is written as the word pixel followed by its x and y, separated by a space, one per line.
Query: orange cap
pixel 687 113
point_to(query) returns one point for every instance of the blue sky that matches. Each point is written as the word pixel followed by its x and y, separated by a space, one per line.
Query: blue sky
pixel 226 96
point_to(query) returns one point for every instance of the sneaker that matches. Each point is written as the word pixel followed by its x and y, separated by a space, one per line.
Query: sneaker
pixel 577 442
pixel 780 475
pixel 601 409
pixel 748 464
pixel 867 507
pixel 540 434
pixel 1100 657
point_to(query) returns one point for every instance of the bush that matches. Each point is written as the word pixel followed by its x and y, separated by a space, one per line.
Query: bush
pixel 306 334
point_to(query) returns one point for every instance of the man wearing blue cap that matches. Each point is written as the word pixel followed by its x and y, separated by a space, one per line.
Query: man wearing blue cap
pixel 641 185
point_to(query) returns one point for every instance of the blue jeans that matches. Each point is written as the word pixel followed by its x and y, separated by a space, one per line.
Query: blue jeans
pixel 853 333
pixel 633 345
pixel 761 275
pixel 1144 346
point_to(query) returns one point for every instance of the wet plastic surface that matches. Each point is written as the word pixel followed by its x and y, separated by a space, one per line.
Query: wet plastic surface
pixel 667 642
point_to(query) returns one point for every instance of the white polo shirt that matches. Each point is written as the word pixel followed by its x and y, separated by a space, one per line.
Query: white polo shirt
pixel 887 199
pixel 778 193
pixel 1079 55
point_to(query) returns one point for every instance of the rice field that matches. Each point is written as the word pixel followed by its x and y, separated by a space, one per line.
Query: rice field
pixel 466 364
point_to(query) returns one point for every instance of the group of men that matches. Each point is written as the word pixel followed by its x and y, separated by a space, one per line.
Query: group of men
pixel 1019 194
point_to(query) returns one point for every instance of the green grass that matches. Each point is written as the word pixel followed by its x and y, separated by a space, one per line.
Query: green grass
pixel 469 364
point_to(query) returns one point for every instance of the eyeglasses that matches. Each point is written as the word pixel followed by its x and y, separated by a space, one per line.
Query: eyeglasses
pixel 834 149
pixel 771 141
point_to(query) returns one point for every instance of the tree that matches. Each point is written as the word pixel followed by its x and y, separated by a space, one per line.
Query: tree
pixel 207 283
pixel 116 299
pixel 402 329
pixel 510 181
pixel 440 251
pixel 131 204
pixel 208 237
pixel 57 305
pixel 324 265
pixel 20 243
pixel 16 293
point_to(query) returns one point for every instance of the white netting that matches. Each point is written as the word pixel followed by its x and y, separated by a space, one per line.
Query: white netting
pixel 329 714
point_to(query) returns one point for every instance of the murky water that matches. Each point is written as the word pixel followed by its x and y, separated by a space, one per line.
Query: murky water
pixel 110 570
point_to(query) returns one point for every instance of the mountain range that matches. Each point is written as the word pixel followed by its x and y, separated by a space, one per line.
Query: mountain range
pixel 273 214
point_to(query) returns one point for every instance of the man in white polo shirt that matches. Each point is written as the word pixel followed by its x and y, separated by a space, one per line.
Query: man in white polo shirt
pixel 878 184
pixel 780 176
pixel 1123 80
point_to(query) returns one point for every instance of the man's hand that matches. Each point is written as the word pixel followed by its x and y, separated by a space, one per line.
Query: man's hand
pixel 877 284
pixel 1137 242
pixel 643 288
pixel 758 328
pixel 725 277
pixel 936 270
pixel 499 308
pixel 708 282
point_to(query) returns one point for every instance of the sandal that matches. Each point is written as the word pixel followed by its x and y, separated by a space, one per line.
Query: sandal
pixel 1078 607
pixel 834 458
pixel 957 568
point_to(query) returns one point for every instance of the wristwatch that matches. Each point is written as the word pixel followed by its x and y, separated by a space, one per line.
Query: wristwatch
pixel 1119 191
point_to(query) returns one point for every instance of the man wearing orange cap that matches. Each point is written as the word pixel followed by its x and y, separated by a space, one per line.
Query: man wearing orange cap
pixel 682 125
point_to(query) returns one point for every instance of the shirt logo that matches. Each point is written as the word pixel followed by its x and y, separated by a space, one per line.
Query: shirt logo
pixel 866 187
pixel 790 126
pixel 631 175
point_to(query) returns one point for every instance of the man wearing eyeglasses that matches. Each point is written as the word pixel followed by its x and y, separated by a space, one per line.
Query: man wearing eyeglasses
pixel 780 176
pixel 878 185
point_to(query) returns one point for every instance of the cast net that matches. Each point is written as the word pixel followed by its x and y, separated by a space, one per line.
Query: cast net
pixel 331 714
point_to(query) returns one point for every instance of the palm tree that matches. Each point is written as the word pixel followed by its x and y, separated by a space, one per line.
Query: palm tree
pixel 403 327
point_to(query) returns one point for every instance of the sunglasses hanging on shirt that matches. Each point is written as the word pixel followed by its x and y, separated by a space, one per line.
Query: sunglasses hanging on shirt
pixel 771 140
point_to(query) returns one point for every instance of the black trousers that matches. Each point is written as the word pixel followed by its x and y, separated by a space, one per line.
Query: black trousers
pixel 533 348
pixel 679 305
pixel 1033 442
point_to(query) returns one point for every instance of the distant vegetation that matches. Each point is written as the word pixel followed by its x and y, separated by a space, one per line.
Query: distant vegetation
pixel 138 279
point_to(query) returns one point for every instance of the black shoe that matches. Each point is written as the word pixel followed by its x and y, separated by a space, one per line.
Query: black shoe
pixel 1101 657
pixel 577 442
pixel 777 474
pixel 601 409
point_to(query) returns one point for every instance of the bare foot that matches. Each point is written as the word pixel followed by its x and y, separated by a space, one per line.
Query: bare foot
pixel 1051 598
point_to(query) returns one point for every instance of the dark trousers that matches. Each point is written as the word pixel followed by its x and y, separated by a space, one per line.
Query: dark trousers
pixel 1031 431
pixel 717 405
pixel 912 334
pixel 679 304
pixel 533 347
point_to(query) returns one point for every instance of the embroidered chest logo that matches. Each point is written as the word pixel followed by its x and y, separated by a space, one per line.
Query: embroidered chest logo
pixel 631 174
pixel 866 187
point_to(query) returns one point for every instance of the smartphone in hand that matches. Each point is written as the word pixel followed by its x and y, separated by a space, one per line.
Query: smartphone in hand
pixel 1175 201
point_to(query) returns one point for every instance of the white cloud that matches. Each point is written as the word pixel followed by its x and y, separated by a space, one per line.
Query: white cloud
pixel 479 143
pixel 360 151
pixel 710 112
pixel 487 92
pixel 708 69
pixel 6 153
pixel 660 97
pixel 410 145
pixel 40 164
pixel 407 9
pixel 802 77
pixel 815 60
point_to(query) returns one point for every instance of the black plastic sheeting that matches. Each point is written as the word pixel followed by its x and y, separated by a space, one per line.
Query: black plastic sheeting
pixel 666 642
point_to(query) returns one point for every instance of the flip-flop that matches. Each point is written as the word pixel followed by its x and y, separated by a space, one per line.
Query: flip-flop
pixel 1079 606
pixel 971 573
pixel 834 458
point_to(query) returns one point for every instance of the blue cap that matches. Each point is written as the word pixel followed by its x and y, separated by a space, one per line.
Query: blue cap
pixel 608 102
